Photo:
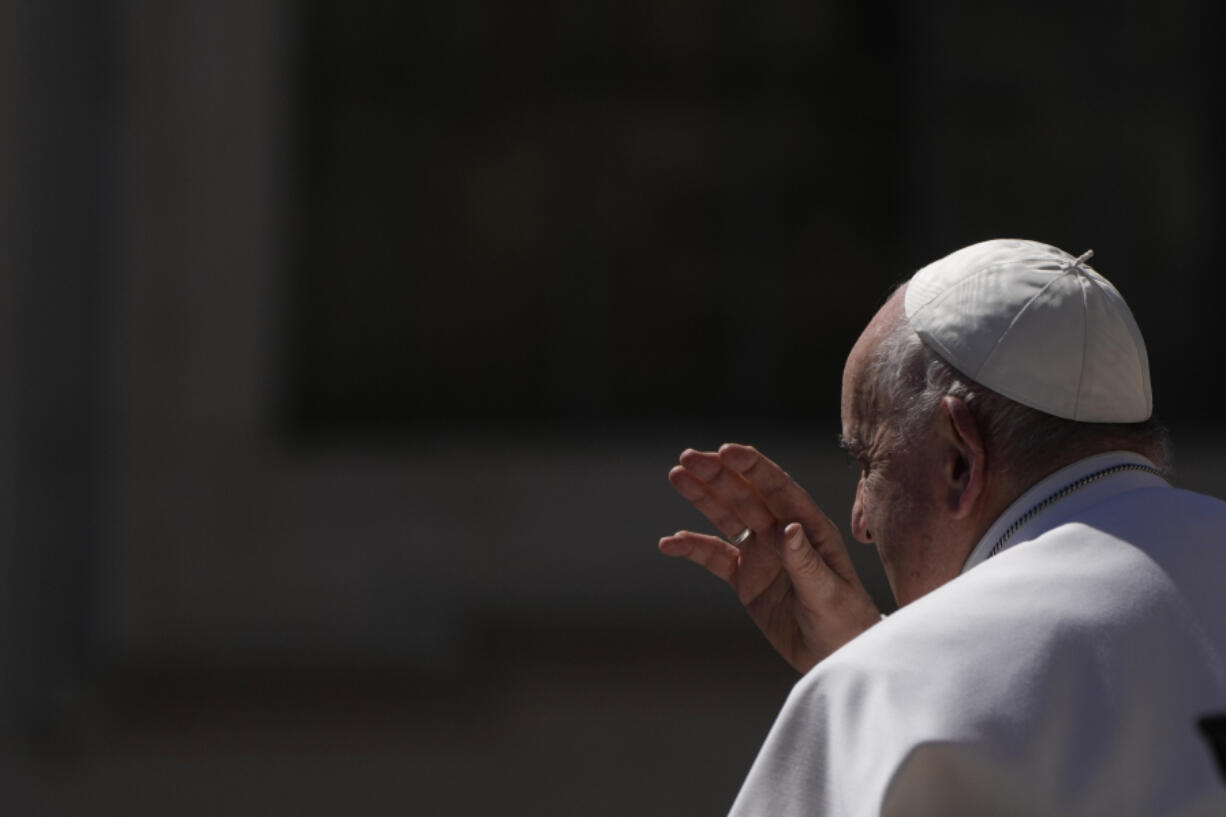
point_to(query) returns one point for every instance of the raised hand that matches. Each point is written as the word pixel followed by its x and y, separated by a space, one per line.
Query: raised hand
pixel 793 574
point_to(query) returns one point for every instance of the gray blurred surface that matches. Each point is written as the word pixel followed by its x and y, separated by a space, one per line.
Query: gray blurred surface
pixel 570 728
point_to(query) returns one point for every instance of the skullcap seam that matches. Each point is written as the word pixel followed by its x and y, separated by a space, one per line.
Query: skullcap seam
pixel 1016 318
pixel 1085 342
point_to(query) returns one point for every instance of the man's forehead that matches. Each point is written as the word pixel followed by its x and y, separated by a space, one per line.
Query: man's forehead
pixel 860 390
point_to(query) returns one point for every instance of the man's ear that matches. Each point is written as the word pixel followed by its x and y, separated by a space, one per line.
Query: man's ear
pixel 963 465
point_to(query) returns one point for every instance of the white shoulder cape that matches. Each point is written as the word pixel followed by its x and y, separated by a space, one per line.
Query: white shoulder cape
pixel 1063 676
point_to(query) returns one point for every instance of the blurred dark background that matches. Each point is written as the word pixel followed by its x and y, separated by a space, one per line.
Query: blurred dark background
pixel 344 348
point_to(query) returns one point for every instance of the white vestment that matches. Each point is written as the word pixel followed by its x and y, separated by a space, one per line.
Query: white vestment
pixel 1064 675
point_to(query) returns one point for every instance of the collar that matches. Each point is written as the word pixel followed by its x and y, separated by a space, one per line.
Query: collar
pixel 1042 506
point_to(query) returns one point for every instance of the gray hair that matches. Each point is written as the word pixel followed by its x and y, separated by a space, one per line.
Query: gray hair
pixel 1023 441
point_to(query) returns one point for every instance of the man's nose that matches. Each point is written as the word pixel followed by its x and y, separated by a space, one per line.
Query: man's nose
pixel 859 524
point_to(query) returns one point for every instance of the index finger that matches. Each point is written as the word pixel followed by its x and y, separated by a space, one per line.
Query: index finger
pixel 700 496
pixel 788 501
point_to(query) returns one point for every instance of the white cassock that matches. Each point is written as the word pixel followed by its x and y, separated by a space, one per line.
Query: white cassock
pixel 1063 675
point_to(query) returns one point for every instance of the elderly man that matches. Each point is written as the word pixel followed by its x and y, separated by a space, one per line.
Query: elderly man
pixel 1062 621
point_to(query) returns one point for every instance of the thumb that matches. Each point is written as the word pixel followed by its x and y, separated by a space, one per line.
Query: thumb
pixel 809 572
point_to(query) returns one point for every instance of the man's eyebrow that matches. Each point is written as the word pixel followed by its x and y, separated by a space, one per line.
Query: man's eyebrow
pixel 851 445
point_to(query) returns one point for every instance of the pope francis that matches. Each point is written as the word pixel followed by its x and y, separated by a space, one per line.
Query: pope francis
pixel 1060 647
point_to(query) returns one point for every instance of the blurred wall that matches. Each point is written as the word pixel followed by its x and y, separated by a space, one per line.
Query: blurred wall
pixel 344 349
pixel 58 109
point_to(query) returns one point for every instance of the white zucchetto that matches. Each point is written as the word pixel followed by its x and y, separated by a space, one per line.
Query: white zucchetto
pixel 1037 325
